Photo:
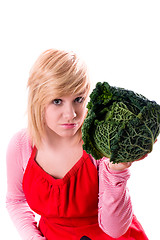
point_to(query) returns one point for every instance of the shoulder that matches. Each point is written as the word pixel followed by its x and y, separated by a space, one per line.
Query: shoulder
pixel 20 147
pixel 20 139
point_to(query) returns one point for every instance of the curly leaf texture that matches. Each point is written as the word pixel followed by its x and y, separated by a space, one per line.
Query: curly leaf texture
pixel 121 125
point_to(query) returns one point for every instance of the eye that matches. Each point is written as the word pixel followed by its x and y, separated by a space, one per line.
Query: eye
pixel 79 99
pixel 57 101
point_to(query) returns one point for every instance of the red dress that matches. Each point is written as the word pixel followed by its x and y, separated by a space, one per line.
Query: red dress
pixel 69 206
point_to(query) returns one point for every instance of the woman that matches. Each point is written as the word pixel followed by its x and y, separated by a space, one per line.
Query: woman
pixel 49 172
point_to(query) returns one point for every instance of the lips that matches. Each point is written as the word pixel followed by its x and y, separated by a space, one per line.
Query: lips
pixel 69 125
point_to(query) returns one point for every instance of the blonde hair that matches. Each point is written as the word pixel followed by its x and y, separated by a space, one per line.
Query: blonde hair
pixel 55 73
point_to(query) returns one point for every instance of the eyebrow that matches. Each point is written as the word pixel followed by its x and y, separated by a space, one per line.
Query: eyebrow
pixel 80 93
pixel 74 94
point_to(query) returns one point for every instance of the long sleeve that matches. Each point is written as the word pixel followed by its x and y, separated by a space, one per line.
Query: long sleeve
pixel 18 154
pixel 115 209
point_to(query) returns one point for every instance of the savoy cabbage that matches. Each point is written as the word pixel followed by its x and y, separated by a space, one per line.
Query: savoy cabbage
pixel 121 124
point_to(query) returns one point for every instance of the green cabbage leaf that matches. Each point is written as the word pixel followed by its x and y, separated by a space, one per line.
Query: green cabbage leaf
pixel 121 124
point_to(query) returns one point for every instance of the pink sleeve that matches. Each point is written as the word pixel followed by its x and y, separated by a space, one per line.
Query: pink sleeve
pixel 18 154
pixel 114 209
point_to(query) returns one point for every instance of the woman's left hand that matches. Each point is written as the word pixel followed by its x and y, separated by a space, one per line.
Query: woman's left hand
pixel 124 165
pixel 119 166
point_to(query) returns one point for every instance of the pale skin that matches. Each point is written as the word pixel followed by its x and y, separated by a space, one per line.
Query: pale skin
pixel 61 149
pixel 123 166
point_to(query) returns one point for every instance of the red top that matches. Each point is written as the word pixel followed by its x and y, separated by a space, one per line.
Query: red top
pixel 69 206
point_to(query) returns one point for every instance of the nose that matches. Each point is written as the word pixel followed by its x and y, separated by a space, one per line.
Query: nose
pixel 69 112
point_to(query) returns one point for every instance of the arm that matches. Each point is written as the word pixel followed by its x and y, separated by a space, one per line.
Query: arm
pixel 20 213
pixel 114 209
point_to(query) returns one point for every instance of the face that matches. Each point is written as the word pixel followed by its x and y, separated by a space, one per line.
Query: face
pixel 64 116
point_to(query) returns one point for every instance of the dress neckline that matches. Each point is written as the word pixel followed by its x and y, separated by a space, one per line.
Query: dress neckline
pixel 51 178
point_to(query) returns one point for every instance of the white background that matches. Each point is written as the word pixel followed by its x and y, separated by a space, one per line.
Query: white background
pixel 119 41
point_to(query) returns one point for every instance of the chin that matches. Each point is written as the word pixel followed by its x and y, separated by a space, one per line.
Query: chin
pixel 71 133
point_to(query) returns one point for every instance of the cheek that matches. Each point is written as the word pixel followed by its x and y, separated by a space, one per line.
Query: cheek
pixel 47 114
pixel 83 113
pixel 49 117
